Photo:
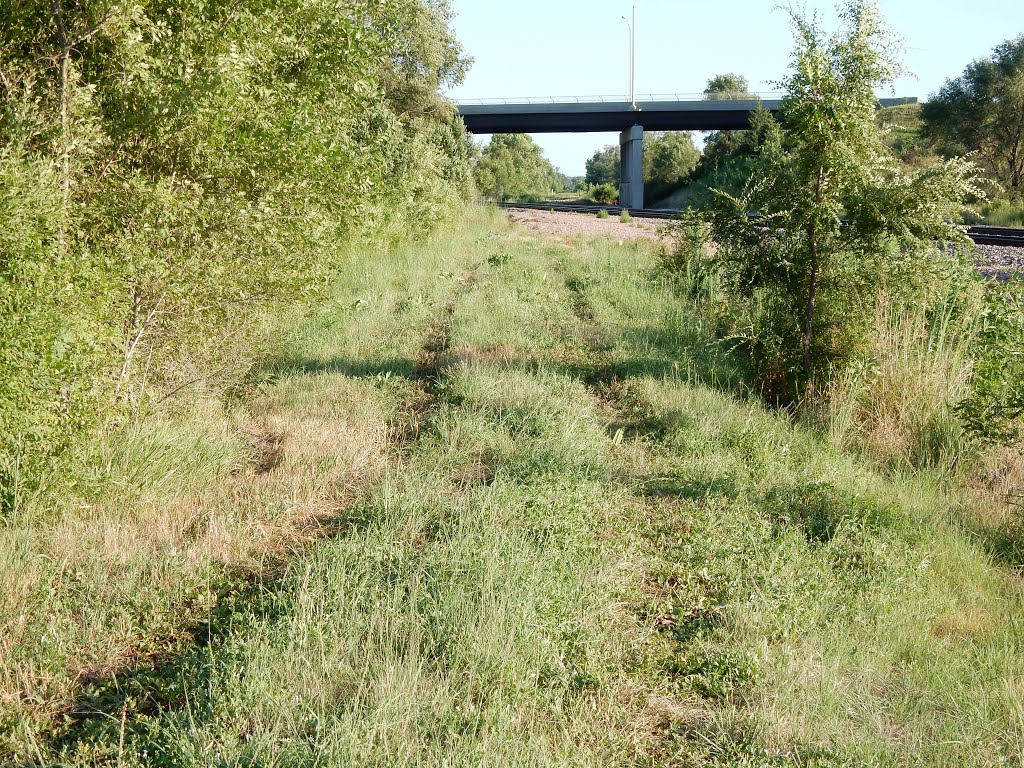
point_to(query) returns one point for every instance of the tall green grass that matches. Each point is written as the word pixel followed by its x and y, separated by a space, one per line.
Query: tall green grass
pixel 897 404
pixel 1003 213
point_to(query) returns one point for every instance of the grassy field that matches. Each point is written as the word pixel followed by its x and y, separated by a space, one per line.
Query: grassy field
pixel 491 505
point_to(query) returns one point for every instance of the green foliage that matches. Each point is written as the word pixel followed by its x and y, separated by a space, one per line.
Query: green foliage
pixel 904 133
pixel 625 218
pixel 994 410
pixel 727 86
pixel 603 167
pixel 1003 213
pixel 725 162
pixel 688 264
pixel 669 159
pixel 602 214
pixel 575 183
pixel 50 340
pixel 982 111
pixel 810 281
pixel 603 194
pixel 172 171
pixel 513 167
pixel 512 565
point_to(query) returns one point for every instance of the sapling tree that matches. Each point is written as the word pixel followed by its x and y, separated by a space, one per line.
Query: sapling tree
pixel 837 217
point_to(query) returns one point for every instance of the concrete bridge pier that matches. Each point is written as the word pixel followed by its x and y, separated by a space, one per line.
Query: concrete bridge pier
pixel 631 186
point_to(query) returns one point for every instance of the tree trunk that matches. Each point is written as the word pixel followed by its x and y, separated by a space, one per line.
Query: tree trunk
pixel 1016 168
pixel 63 64
pixel 807 337
pixel 807 334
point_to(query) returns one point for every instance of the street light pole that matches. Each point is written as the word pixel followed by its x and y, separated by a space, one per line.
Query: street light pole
pixel 632 56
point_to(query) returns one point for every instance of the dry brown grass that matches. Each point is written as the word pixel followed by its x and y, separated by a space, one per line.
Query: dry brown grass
pixel 313 445
pixel 897 408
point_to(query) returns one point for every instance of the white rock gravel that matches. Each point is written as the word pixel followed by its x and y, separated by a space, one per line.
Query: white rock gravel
pixel 560 223
pixel 1001 262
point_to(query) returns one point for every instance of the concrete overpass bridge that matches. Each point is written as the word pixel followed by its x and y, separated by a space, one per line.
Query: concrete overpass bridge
pixel 692 112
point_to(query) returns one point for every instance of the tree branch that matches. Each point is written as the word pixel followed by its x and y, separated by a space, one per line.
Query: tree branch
pixel 135 342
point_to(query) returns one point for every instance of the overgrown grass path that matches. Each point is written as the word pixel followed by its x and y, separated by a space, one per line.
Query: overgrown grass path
pixel 539 531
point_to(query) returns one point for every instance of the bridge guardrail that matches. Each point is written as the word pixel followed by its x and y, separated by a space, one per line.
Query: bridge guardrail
pixel 617 99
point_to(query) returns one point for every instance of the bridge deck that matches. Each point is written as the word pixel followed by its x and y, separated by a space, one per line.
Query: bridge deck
pixel 606 116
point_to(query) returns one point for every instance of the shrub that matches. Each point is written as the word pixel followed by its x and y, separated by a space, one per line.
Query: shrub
pixel 604 194
pixel 994 411
pixel 602 214
pixel 688 263
pixel 51 339
pixel 171 171
pixel 625 218
pixel 839 218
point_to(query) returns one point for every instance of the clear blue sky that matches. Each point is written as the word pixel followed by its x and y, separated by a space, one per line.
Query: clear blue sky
pixel 580 47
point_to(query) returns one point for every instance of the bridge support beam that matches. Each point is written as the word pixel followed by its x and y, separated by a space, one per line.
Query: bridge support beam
pixel 631 187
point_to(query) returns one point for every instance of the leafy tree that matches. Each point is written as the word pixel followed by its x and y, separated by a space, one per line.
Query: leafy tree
pixel 983 111
pixel 575 183
pixel 669 159
pixel 170 170
pixel 810 281
pixel 513 167
pixel 727 86
pixel 603 167
pixel 722 146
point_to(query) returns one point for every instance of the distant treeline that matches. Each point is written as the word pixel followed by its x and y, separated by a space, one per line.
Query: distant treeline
pixel 170 170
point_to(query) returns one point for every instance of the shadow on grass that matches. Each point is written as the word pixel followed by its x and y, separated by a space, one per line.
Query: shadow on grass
pixel 116 710
pixel 286 367
pixel 692 489
pixel 120 708
pixel 1004 543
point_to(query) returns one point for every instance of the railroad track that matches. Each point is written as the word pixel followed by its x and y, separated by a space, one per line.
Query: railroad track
pixel 981 235
pixel 1005 236
pixel 613 210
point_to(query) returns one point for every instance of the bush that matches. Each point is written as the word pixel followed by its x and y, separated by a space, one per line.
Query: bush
pixel 604 194
pixel 994 411
pixel 839 218
pixel 688 263
pixel 52 342
pixel 602 214
pixel 169 173
pixel 625 218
